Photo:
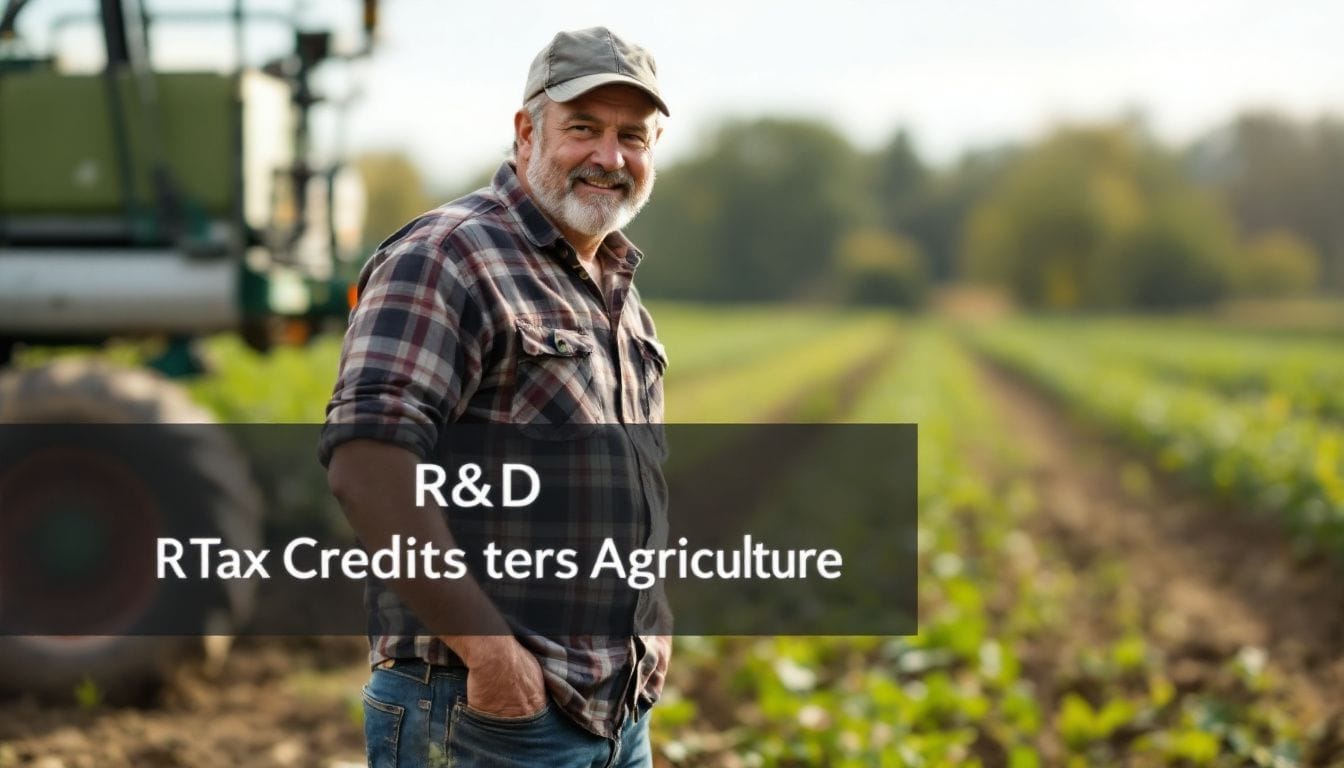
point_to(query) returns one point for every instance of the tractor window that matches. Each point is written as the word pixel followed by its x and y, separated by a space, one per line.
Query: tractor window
pixel 184 35
pixel 63 33
pixel 200 36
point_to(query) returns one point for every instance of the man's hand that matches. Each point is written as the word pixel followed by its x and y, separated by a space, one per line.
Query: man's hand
pixel 503 678
pixel 374 482
pixel 664 644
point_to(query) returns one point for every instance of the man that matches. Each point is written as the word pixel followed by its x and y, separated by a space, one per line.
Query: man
pixel 514 304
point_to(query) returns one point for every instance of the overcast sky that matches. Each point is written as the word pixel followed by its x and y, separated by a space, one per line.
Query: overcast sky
pixel 449 74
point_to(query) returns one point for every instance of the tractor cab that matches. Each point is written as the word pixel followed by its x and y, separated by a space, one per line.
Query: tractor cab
pixel 157 179
pixel 158 174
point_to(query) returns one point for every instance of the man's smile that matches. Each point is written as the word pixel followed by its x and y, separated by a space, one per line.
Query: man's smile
pixel 597 186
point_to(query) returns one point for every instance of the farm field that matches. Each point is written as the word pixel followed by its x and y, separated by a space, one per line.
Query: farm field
pixel 1130 545
pixel 1253 419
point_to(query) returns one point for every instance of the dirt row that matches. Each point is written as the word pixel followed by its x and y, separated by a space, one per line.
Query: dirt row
pixel 271 703
pixel 1209 581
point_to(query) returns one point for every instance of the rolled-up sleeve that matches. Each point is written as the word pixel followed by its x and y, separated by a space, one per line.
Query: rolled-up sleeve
pixel 412 352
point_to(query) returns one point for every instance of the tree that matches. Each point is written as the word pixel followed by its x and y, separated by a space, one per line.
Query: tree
pixel 1097 217
pixel 1276 173
pixel 928 205
pixel 395 191
pixel 755 214
pixel 1178 256
pixel 899 182
pixel 1278 263
pixel 877 268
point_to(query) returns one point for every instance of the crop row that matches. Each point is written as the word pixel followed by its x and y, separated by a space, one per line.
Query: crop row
pixel 1260 452
pixel 952 695
pixel 708 341
pixel 1304 373
pixel 996 675
pixel 773 379
pixel 988 680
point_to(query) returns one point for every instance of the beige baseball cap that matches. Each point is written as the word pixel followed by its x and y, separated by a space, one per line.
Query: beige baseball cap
pixel 577 62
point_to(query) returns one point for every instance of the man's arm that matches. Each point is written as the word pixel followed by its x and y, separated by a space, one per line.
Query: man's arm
pixel 375 484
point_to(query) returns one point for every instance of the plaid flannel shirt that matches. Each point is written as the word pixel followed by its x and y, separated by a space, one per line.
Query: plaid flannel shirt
pixel 480 312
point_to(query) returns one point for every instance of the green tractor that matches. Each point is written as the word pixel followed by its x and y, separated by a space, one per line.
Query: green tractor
pixel 140 200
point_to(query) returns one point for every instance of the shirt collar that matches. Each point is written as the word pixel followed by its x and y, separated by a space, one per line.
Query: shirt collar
pixel 529 218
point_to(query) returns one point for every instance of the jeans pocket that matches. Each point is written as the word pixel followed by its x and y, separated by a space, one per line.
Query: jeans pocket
pixel 500 720
pixel 382 731
pixel 479 738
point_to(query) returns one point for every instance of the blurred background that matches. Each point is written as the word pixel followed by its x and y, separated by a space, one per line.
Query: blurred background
pixel 1095 251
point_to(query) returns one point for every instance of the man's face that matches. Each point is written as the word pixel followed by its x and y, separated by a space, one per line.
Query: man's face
pixel 590 166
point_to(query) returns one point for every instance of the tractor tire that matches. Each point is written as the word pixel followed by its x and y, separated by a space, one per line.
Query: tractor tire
pixel 123 666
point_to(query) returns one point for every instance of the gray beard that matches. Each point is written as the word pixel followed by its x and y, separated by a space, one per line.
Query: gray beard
pixel 553 191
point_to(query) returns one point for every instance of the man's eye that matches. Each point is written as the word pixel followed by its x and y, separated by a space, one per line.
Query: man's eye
pixel 582 130
pixel 633 139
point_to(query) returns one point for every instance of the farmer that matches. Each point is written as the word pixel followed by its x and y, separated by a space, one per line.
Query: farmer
pixel 513 304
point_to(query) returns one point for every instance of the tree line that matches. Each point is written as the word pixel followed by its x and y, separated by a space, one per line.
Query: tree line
pixel 1098 216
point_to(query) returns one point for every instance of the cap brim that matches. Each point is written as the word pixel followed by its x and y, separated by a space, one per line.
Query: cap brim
pixel 573 89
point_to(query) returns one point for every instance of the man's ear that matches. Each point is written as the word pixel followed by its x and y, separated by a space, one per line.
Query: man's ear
pixel 523 133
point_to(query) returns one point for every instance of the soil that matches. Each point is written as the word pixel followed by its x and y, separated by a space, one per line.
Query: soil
pixel 271 703
pixel 1210 580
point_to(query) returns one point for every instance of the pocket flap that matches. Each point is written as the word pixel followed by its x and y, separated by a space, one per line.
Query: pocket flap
pixel 541 341
pixel 654 350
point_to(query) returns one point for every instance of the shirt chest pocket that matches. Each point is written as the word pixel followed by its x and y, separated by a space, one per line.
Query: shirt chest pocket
pixel 553 385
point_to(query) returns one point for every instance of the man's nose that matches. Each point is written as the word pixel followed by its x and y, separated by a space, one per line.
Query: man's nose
pixel 607 154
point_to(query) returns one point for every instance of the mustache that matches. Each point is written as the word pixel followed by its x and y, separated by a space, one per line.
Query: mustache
pixel 620 176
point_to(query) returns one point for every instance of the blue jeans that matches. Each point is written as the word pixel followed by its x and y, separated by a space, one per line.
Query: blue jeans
pixel 416 716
